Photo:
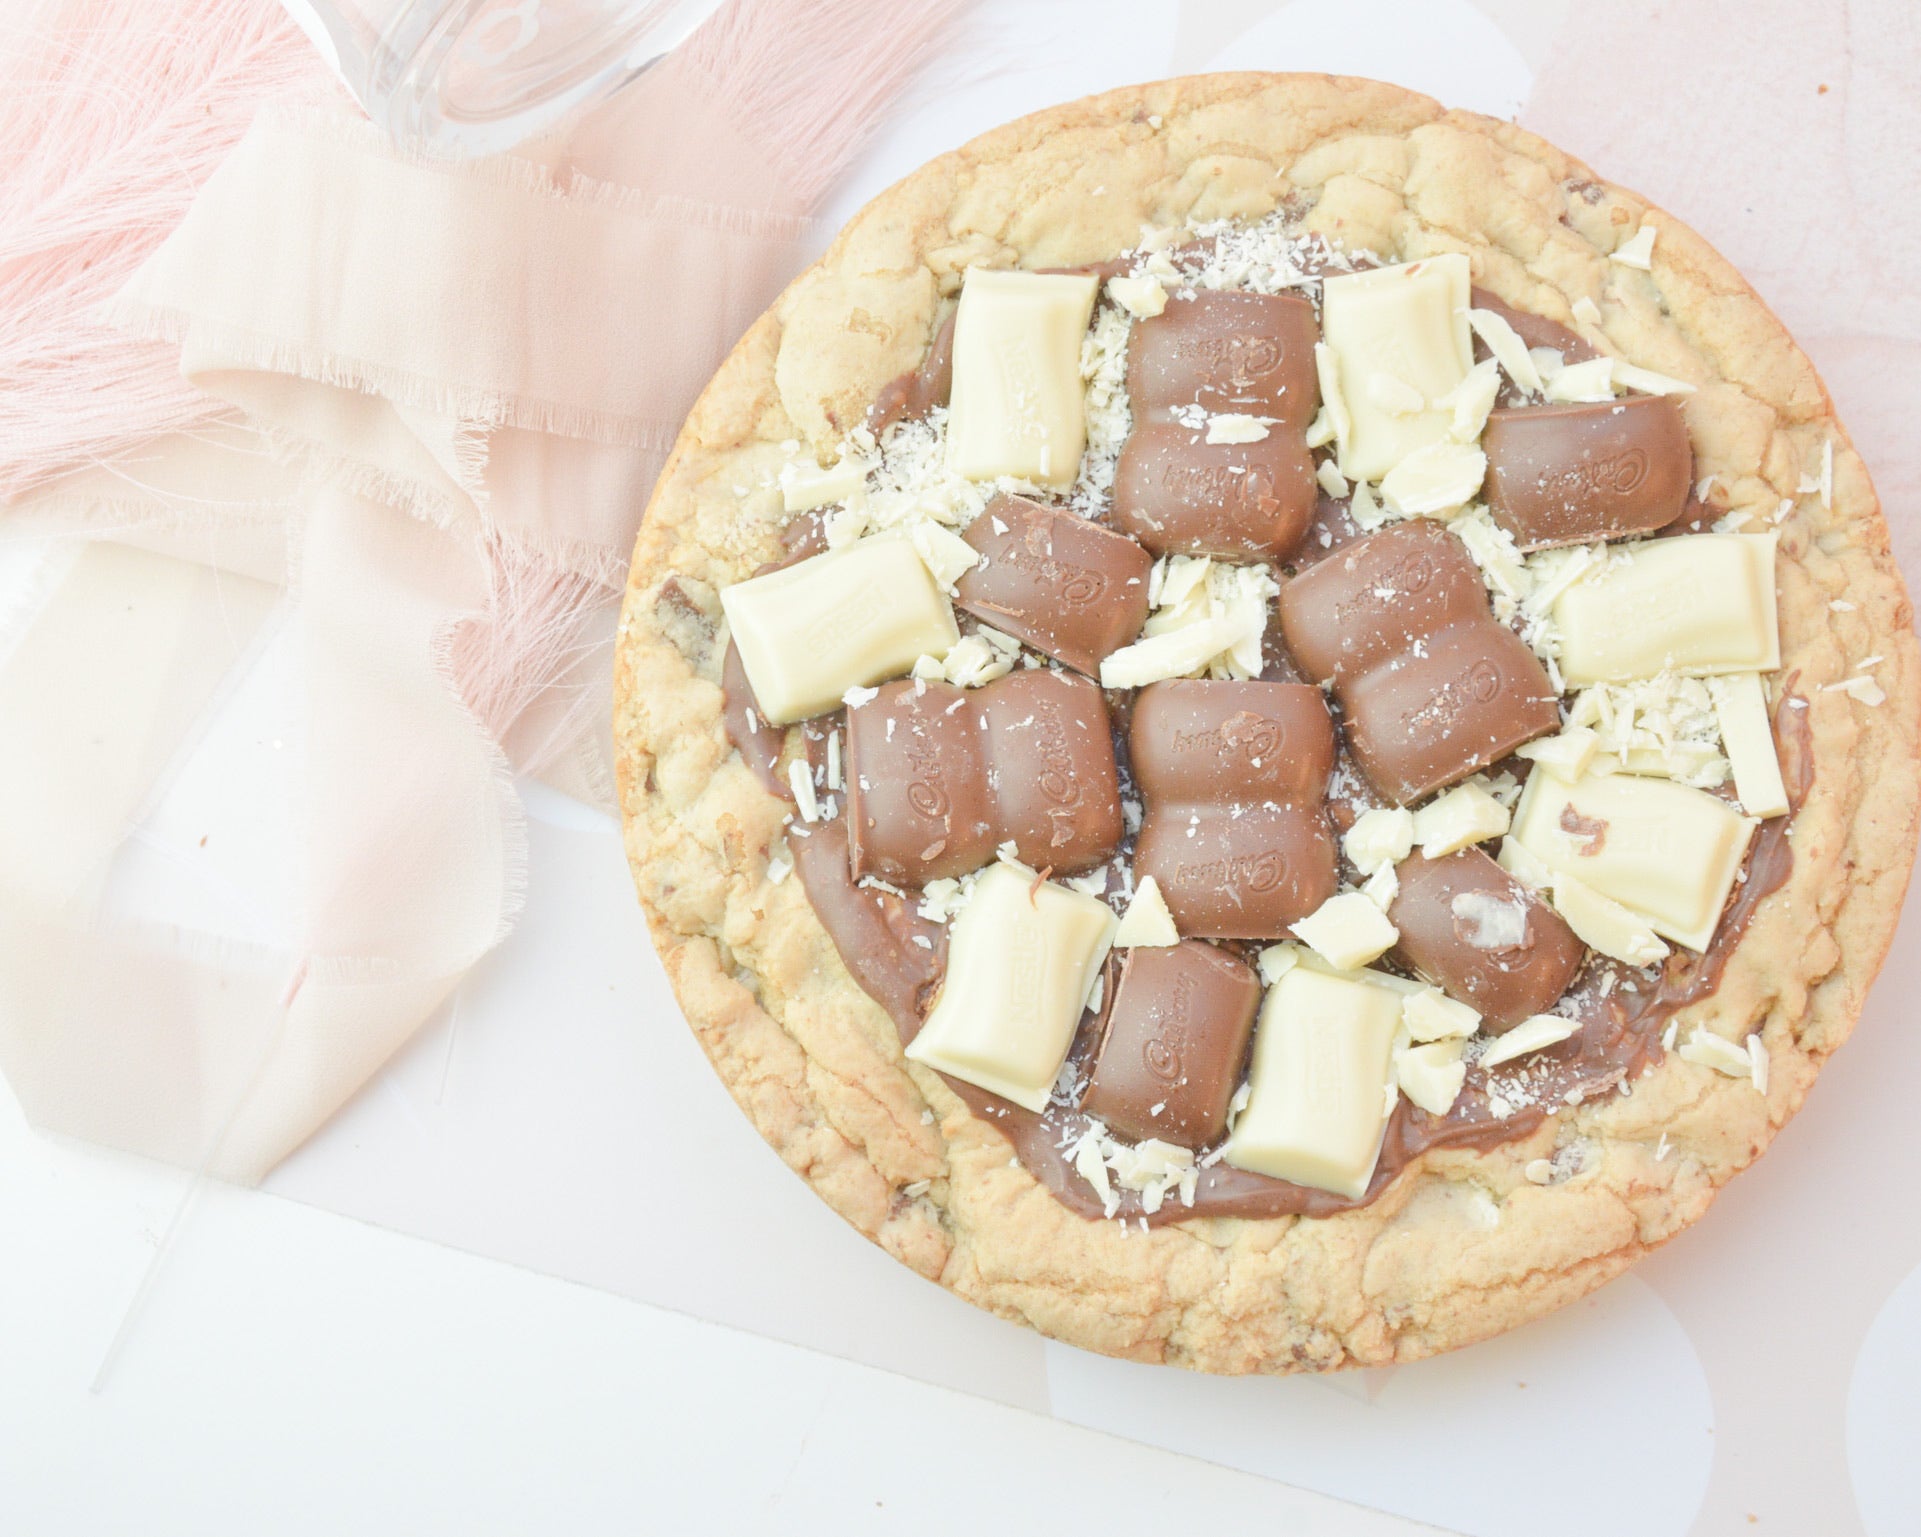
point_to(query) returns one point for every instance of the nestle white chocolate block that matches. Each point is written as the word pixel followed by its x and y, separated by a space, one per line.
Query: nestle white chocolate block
pixel 1741 711
pixel 1665 852
pixel 1021 963
pixel 1017 406
pixel 1317 1088
pixel 1699 605
pixel 851 617
pixel 1409 325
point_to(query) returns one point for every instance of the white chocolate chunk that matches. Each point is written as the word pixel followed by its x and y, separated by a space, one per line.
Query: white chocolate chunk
pixel 1431 1075
pixel 1637 250
pixel 1320 431
pixel 1588 381
pixel 1327 368
pixel 1017 405
pixel 1022 960
pixel 1694 606
pixel 1382 887
pixel 1587 311
pixel 1147 923
pixel 1171 654
pixel 1319 1083
pixel 800 779
pixel 1741 709
pixel 1505 343
pixel 1566 755
pixel 1430 1015
pixel 1707 1049
pixel 1603 924
pixel 1531 1034
pixel 1277 960
pixel 805 485
pixel 1408 323
pixel 1464 815
pixel 1487 921
pixel 1628 377
pixel 948 556
pixel 853 616
pixel 1380 836
pixel 1141 297
pixel 1394 396
pixel 1523 865
pixel 1666 852
pixel 1758 1063
pixel 1434 480
pixel 1235 427
pixel 1347 931
pixel 1331 480
pixel 1471 400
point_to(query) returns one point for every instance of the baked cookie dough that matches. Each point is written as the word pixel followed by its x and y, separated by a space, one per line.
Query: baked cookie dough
pixel 1461 1242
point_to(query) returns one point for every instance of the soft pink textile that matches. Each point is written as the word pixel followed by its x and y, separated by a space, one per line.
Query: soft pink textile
pixel 432 399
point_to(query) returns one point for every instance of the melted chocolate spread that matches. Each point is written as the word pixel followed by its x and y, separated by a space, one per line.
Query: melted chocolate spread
pixel 897 957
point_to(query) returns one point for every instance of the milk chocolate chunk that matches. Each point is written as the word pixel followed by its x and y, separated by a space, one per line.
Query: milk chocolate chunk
pixel 939 777
pixel 1172 1043
pixel 1432 686
pixel 1068 587
pixel 1570 474
pixel 1229 352
pixel 1181 495
pixel 1232 776
pixel 1482 936
pixel 1220 355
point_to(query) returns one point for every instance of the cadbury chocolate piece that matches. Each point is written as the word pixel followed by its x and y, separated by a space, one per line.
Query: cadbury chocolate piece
pixel 1243 353
pixel 1220 354
pixel 1066 586
pixel 1570 474
pixel 1482 936
pixel 809 632
pixel 1432 686
pixel 1017 405
pixel 1232 777
pixel 1021 961
pixel 1171 1046
pixel 939 777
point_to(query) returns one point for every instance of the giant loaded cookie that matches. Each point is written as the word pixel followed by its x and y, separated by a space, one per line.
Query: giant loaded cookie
pixel 1266 727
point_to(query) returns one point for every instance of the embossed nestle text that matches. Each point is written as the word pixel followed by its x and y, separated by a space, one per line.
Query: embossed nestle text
pixel 1620 474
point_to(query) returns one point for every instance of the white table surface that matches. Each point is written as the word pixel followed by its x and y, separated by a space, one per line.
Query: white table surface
pixel 382 1339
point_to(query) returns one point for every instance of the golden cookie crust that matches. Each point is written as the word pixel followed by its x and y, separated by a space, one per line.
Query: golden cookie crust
pixel 1463 1245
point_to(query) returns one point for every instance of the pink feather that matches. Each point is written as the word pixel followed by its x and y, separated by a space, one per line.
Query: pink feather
pixel 112 114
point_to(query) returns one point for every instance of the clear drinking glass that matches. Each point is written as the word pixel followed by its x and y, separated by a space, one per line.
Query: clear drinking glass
pixel 473 77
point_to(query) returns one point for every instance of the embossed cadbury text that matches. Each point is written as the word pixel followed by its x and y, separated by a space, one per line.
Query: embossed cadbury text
pixel 1619 475
pixel 1161 1052
pixel 1069 583
pixel 1253 872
